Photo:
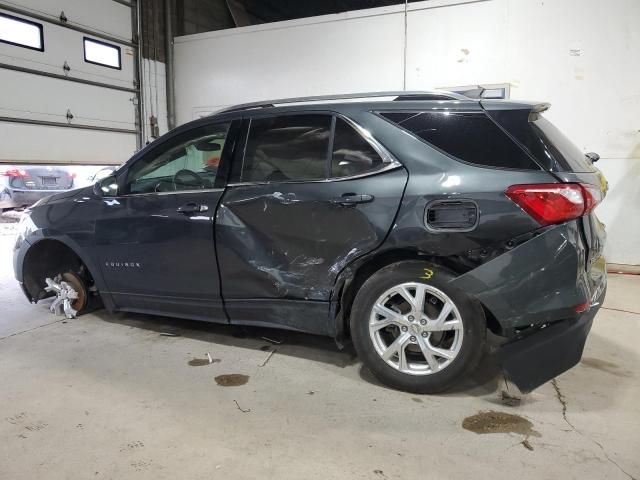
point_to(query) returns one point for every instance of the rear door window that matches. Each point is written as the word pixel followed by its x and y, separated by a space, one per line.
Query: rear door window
pixel 471 137
pixel 287 147
pixel 352 154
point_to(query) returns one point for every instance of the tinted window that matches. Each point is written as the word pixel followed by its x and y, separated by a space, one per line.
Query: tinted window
pixel 561 148
pixel 187 162
pixel 352 154
pixel 470 137
pixel 288 147
pixel 543 140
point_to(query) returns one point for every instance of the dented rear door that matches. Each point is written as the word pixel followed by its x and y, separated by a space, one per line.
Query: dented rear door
pixel 281 242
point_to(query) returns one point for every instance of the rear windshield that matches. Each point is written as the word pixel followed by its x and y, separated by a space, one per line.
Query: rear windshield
pixel 561 148
pixel 548 145
pixel 468 136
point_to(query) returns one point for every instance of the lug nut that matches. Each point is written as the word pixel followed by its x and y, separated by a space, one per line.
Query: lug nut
pixel 404 329
pixel 423 322
pixel 424 334
pixel 411 318
pixel 413 339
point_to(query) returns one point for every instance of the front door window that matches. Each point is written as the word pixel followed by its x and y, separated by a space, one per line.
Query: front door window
pixel 185 163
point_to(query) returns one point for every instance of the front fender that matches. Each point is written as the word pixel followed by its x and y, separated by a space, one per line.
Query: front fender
pixel 34 238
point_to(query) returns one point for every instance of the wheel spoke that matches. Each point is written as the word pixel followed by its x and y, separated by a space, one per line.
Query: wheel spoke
pixel 389 317
pixel 419 300
pixel 378 324
pixel 441 352
pixel 402 357
pixel 428 355
pixel 440 323
pixel 406 294
pixel 395 348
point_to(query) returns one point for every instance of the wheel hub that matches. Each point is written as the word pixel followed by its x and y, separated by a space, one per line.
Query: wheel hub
pixel 66 297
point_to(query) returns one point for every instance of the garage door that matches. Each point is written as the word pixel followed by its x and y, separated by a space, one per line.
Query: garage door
pixel 68 71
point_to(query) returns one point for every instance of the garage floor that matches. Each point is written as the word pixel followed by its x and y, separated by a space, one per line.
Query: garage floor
pixel 111 396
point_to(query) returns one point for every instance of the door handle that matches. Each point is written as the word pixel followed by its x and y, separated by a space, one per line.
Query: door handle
pixel 352 199
pixel 192 207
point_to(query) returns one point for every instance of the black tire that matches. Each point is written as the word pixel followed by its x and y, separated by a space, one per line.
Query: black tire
pixel 471 313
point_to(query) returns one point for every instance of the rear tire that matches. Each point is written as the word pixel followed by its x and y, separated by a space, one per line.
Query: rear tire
pixel 414 331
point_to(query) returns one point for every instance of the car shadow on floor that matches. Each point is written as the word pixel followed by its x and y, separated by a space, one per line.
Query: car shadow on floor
pixel 303 345
pixel 486 381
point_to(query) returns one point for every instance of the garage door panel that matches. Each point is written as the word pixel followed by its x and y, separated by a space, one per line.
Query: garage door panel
pixel 105 15
pixel 43 144
pixel 64 45
pixel 42 98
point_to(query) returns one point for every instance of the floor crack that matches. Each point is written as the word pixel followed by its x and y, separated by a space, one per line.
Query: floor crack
pixel 620 310
pixel 563 402
pixel 32 329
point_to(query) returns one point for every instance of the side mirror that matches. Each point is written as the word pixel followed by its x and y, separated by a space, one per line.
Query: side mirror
pixel 593 156
pixel 107 187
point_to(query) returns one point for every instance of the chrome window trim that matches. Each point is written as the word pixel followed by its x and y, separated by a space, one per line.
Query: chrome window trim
pixel 390 166
pixel 200 190
pixel 389 162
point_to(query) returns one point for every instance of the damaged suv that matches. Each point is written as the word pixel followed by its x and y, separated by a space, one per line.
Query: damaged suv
pixel 409 223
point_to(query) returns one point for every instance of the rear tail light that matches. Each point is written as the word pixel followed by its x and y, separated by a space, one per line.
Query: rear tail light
pixel 14 172
pixel 551 203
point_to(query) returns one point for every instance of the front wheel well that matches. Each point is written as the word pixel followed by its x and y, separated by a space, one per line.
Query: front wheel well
pixel 48 258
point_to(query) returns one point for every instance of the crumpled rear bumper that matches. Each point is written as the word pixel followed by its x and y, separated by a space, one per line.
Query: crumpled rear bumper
pixel 534 359
pixel 534 292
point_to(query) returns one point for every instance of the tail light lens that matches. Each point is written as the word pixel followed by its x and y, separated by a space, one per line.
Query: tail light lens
pixel 551 203
pixel 14 172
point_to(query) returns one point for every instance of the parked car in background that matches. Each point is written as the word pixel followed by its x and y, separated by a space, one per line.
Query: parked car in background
pixel 407 223
pixel 23 185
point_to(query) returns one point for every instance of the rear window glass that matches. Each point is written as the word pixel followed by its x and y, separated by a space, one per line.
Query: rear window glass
pixel 560 147
pixel 288 147
pixel 352 154
pixel 470 137
pixel 543 140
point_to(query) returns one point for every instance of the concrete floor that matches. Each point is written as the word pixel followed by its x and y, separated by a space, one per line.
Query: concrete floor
pixel 108 396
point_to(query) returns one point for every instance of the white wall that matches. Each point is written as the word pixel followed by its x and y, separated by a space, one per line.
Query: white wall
pixel 583 56
pixel 322 55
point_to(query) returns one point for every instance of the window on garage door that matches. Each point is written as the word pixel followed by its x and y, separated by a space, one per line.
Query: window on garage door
pixel 101 53
pixel 20 32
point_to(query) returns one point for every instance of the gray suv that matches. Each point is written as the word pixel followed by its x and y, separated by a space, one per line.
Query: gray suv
pixel 409 223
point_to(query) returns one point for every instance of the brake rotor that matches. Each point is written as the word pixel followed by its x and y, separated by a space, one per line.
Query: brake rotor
pixel 78 285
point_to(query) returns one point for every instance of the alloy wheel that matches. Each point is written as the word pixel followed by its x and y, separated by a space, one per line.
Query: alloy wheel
pixel 416 328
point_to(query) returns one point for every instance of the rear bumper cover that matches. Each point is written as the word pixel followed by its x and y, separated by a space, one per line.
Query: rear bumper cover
pixel 534 359
pixel 534 292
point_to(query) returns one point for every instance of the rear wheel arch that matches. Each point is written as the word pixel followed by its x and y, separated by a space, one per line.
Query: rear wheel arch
pixel 354 276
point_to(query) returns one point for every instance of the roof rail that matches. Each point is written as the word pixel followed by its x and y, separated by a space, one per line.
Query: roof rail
pixel 399 96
